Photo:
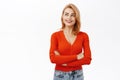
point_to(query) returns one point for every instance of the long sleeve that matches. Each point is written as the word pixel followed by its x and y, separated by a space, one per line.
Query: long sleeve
pixel 87 54
pixel 58 59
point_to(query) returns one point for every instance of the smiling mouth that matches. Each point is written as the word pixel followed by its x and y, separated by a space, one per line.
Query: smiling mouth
pixel 68 21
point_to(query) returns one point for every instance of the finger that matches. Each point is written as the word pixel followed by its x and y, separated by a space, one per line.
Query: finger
pixel 56 52
pixel 82 50
pixel 64 64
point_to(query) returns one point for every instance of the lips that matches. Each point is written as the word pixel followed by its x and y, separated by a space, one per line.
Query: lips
pixel 68 21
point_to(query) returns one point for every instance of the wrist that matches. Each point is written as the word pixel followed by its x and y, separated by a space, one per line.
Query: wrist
pixel 78 57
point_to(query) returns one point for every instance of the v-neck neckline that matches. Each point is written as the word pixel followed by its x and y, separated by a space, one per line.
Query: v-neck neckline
pixel 68 41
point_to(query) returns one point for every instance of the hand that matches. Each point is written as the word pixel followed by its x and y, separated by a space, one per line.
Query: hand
pixel 56 52
pixel 80 56
pixel 64 64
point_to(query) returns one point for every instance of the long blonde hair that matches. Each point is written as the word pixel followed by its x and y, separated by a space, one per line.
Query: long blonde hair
pixel 77 25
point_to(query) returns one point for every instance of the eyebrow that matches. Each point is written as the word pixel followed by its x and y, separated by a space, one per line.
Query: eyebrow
pixel 67 13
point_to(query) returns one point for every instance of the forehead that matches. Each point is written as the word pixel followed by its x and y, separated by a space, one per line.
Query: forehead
pixel 68 10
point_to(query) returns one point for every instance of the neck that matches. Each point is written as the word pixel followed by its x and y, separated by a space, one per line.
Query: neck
pixel 68 30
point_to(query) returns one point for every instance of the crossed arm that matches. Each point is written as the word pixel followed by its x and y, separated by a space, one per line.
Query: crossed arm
pixel 70 60
pixel 79 56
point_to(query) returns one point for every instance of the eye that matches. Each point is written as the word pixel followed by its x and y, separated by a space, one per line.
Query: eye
pixel 72 15
pixel 66 14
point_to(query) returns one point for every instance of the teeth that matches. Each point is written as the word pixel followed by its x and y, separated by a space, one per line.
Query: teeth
pixel 69 21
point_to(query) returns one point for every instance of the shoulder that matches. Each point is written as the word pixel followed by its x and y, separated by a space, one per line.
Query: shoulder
pixel 56 33
pixel 83 34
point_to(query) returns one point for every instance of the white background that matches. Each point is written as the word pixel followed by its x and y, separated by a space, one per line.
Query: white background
pixel 26 27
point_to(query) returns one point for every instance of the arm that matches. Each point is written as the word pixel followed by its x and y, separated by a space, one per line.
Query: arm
pixel 58 59
pixel 87 54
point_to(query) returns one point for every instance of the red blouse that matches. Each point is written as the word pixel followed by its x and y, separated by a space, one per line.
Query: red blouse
pixel 68 52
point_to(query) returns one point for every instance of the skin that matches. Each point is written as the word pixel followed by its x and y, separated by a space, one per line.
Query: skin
pixel 69 21
pixel 69 18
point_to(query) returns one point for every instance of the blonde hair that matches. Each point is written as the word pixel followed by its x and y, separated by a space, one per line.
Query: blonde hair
pixel 77 25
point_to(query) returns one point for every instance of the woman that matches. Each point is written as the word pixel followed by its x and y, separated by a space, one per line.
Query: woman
pixel 69 47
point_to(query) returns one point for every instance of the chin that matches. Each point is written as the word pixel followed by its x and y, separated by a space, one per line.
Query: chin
pixel 69 24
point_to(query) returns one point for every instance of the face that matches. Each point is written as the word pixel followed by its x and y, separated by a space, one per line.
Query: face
pixel 68 17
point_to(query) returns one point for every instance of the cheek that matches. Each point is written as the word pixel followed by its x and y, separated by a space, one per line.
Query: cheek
pixel 74 20
pixel 63 19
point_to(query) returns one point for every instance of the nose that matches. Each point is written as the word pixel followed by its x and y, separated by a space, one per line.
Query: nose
pixel 69 17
